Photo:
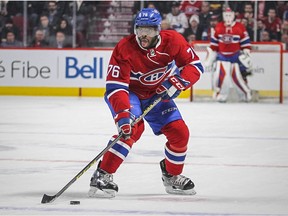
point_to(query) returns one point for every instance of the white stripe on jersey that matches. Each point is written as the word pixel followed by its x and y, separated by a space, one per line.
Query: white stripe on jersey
pixel 115 91
pixel 118 83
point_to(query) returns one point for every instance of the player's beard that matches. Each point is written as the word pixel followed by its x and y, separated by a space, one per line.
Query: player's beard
pixel 148 43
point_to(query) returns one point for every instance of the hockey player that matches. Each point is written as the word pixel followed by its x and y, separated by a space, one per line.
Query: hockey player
pixel 230 48
pixel 142 68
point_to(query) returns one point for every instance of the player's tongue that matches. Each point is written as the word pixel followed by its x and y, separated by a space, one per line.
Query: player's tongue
pixel 144 42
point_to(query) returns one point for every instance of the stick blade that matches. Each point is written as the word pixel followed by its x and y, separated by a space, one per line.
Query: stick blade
pixel 48 199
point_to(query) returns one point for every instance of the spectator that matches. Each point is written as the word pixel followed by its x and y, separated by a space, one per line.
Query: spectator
pixel 52 13
pixel 248 9
pixel 85 10
pixel 248 14
pixel 238 7
pixel 285 13
pixel 190 8
pixel 39 40
pixel 265 36
pixel 65 27
pixel 204 16
pixel 3 8
pixel 165 25
pixel 9 26
pixel 10 41
pixel 190 38
pixel 245 22
pixel 151 5
pixel 60 41
pixel 260 29
pixel 177 19
pixel 14 8
pixel 273 24
pixel 281 7
pixel 216 7
pixel 193 29
pixel 284 40
pixel 284 28
pixel 263 8
pixel 164 7
pixel 34 9
pixel 214 19
pixel 45 27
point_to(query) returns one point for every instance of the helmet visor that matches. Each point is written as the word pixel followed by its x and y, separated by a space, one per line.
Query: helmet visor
pixel 149 31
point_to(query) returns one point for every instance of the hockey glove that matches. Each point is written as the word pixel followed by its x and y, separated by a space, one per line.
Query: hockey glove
pixel 210 58
pixel 172 87
pixel 123 122
pixel 245 61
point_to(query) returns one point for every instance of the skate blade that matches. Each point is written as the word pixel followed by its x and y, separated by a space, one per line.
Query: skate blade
pixel 96 193
pixel 171 190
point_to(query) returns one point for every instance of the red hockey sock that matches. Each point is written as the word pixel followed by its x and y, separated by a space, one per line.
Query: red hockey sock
pixel 116 155
pixel 177 134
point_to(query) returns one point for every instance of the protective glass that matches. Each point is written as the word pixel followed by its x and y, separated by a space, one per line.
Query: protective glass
pixel 148 31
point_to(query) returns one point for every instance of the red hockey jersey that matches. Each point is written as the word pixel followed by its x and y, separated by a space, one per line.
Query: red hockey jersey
pixel 229 40
pixel 133 68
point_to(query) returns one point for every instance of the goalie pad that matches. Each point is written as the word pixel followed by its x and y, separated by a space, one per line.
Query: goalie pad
pixel 210 58
pixel 226 76
pixel 245 60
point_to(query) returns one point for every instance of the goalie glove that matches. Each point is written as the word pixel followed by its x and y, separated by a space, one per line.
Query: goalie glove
pixel 245 60
pixel 172 87
pixel 123 122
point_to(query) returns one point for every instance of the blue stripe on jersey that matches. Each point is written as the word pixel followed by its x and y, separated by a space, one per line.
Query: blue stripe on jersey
pixel 199 66
pixel 245 42
pixel 214 40
pixel 110 87
pixel 122 150
pixel 175 158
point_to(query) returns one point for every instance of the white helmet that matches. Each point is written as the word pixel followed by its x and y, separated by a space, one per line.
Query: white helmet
pixel 228 16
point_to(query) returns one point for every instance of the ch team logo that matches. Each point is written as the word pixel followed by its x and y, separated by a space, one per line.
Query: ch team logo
pixel 227 38
pixel 153 77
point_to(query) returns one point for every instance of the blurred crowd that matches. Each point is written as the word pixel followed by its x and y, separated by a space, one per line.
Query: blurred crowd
pixel 194 19
pixel 50 23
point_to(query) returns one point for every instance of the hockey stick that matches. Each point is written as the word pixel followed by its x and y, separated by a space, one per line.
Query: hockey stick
pixel 48 199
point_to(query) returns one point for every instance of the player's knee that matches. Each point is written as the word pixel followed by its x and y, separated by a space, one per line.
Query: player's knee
pixel 177 134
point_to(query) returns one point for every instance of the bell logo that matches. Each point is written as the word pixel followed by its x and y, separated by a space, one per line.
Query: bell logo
pixel 86 71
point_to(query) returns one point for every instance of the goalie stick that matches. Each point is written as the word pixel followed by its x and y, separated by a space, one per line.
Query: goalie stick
pixel 48 199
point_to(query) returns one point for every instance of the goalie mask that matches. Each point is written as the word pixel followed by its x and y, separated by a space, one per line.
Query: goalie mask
pixel 228 16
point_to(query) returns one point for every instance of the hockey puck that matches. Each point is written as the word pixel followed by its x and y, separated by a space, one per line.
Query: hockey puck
pixel 75 202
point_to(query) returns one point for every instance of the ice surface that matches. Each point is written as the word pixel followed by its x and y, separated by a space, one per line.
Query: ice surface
pixel 237 158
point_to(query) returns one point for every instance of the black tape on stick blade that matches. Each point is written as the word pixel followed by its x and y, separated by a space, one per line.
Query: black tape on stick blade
pixel 74 202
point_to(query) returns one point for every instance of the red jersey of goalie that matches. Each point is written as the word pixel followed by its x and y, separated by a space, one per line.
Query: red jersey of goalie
pixel 144 66
pixel 228 40
pixel 230 48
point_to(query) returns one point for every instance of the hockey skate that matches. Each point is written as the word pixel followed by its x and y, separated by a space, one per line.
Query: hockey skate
pixel 178 184
pixel 102 185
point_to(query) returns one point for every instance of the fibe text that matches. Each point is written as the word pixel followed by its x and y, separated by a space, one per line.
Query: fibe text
pixel 24 69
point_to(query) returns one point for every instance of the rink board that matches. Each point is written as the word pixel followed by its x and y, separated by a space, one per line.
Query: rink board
pixel 82 72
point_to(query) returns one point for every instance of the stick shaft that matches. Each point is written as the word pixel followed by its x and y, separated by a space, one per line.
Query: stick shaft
pixel 48 199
